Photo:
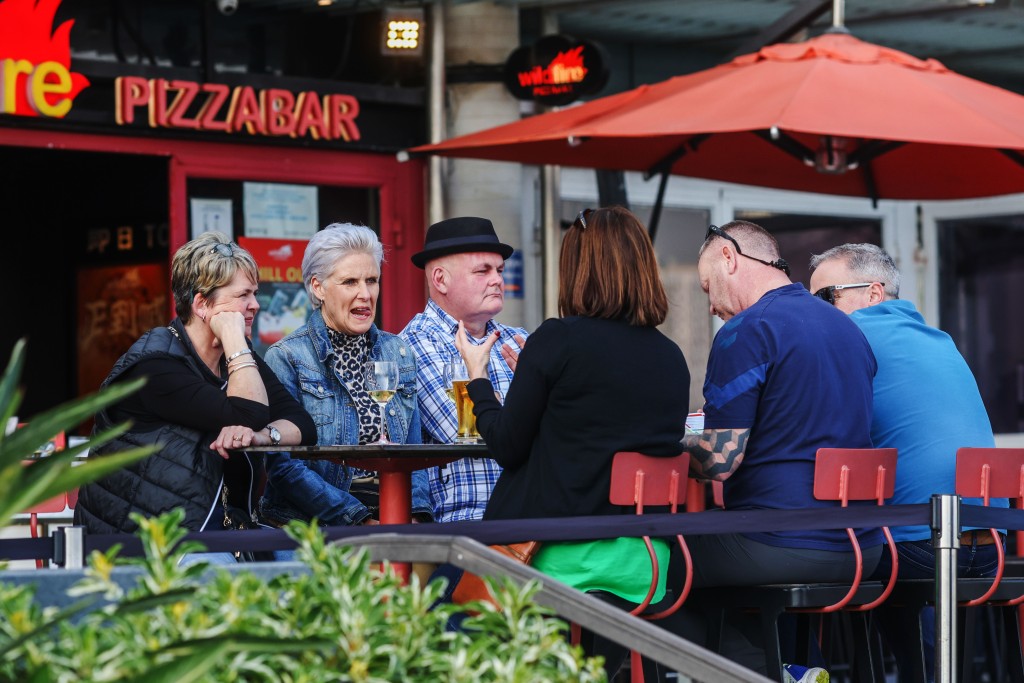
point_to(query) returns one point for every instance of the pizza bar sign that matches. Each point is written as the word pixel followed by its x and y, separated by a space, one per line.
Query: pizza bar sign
pixel 217 107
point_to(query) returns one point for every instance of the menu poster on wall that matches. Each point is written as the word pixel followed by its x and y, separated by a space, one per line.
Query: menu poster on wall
pixel 280 211
pixel 115 306
pixel 284 305
pixel 209 215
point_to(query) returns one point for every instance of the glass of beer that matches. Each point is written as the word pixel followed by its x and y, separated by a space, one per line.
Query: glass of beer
pixel 457 378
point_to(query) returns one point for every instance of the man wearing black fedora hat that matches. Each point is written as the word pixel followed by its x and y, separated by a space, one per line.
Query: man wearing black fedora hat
pixel 463 261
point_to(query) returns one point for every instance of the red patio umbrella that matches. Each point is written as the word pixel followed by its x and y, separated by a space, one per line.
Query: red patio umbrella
pixel 833 114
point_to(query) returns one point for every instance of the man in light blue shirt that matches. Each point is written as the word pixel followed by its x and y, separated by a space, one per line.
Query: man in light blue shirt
pixel 926 405
pixel 463 261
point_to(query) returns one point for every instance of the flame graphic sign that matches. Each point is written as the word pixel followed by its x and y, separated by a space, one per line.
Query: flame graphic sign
pixel 35 60
pixel 556 70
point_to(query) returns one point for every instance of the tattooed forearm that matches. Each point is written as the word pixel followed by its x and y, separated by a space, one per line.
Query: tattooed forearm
pixel 716 453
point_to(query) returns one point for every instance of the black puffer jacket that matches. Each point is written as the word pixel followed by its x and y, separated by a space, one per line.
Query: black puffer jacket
pixel 185 472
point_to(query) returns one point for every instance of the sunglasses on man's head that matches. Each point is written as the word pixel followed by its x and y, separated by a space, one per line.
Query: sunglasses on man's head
pixel 223 249
pixel 829 293
pixel 715 231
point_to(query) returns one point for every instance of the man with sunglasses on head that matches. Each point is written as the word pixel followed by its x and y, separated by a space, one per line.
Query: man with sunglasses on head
pixel 926 405
pixel 787 375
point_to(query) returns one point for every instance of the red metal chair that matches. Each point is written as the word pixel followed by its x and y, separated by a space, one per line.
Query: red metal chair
pixel 988 473
pixel 844 475
pixel 638 481
pixel 54 505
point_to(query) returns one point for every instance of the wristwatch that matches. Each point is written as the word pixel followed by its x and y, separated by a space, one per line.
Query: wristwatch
pixel 275 436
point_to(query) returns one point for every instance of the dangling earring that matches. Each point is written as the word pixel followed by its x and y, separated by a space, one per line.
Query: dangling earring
pixel 202 316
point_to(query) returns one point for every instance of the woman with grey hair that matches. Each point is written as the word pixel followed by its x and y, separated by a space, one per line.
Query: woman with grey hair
pixel 207 396
pixel 321 364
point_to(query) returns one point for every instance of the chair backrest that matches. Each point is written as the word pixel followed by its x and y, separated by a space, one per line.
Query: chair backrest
pixel 57 503
pixel 846 474
pixel 718 493
pixel 988 473
pixel 639 480
pixel 642 480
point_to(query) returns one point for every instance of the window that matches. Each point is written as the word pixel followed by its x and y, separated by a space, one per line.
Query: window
pixel 981 273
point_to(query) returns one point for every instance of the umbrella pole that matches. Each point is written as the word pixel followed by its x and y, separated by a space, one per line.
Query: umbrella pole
pixel 838 18
pixel 659 201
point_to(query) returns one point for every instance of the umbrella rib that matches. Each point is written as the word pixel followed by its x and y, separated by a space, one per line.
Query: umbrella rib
pixel 787 144
pixel 1014 156
pixel 872 150
pixel 869 183
pixel 665 164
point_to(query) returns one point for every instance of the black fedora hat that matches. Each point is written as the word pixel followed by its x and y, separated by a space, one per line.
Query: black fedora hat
pixel 460 235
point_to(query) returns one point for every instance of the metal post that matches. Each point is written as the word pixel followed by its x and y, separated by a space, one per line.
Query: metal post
pixel 946 541
pixel 838 15
pixel 438 123
pixel 69 547
pixel 551 225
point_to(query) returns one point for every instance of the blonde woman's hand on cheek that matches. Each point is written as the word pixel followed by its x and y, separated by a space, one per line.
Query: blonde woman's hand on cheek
pixel 475 356
pixel 227 327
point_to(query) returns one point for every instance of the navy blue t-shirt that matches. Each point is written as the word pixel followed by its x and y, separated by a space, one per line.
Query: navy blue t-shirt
pixel 797 372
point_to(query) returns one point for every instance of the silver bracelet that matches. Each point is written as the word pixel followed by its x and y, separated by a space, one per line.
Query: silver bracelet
pixel 237 354
pixel 240 366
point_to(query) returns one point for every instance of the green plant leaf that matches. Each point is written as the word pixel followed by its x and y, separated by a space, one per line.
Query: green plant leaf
pixel 195 658
pixel 149 602
pixel 10 394
pixel 43 629
pixel 23 486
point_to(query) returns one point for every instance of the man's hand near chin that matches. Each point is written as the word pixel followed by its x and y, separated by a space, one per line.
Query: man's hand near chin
pixel 510 355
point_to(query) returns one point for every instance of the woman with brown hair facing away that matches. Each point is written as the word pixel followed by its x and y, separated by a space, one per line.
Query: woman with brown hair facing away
pixel 598 380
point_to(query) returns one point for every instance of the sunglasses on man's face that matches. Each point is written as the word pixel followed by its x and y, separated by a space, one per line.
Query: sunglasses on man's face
pixel 715 231
pixel 829 293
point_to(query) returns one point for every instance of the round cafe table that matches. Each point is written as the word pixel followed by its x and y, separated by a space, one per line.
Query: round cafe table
pixel 394 464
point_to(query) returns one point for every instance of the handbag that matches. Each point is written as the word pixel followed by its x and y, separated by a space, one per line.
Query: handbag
pixel 472 587
pixel 238 519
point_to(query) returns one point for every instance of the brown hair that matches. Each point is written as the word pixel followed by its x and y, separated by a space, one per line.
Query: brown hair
pixel 608 270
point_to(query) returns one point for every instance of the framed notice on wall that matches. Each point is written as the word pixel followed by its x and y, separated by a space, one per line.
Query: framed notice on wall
pixel 284 304
pixel 116 304
pixel 280 210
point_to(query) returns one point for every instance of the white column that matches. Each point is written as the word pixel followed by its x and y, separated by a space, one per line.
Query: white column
pixel 485 33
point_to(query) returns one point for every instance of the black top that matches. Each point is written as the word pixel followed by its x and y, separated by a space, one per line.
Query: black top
pixel 584 389
pixel 180 411
pixel 171 395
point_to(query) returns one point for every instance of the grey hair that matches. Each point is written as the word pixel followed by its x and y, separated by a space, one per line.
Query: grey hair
pixel 330 245
pixel 867 262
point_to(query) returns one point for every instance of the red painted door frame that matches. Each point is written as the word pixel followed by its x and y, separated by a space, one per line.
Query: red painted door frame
pixel 400 186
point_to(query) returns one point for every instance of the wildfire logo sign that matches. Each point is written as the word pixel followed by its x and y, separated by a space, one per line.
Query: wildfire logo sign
pixel 556 70
pixel 564 71
pixel 35 61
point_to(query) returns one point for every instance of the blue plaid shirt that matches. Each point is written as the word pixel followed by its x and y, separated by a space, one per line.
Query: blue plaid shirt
pixel 461 489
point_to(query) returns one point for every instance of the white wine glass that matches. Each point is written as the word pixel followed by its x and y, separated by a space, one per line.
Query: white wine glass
pixel 381 378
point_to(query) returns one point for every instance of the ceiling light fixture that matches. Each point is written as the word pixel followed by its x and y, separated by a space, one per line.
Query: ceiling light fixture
pixel 403 32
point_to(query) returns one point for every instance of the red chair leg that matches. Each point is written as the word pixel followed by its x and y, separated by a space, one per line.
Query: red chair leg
pixel 636 667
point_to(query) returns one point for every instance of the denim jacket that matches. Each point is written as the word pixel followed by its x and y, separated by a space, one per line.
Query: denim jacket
pixel 303 489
